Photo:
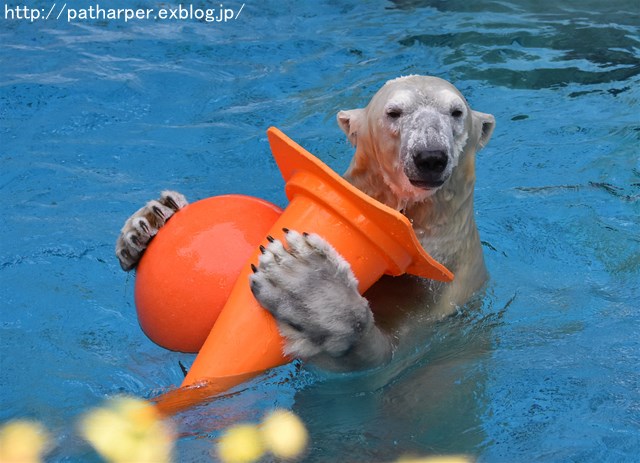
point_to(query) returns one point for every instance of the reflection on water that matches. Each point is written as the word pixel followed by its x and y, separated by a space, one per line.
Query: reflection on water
pixel 429 403
pixel 535 45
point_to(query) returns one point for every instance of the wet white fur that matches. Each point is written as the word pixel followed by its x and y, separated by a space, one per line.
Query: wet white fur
pixel 314 298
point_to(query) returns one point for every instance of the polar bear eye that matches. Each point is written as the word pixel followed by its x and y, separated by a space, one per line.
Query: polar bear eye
pixel 394 113
pixel 456 113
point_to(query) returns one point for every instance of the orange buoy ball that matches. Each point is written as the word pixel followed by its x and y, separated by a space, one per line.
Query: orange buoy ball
pixel 186 274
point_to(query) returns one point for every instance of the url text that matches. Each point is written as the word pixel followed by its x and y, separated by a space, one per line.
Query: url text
pixel 96 12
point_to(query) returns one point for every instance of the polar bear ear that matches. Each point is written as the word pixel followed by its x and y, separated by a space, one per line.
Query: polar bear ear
pixel 485 123
pixel 349 121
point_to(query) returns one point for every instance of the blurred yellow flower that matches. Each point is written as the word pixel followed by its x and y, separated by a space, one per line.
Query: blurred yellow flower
pixel 241 443
pixel 23 441
pixel 284 434
pixel 127 430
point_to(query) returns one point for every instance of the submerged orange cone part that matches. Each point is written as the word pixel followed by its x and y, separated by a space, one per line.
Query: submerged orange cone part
pixel 372 237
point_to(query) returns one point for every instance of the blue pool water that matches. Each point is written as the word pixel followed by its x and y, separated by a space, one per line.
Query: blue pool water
pixel 98 116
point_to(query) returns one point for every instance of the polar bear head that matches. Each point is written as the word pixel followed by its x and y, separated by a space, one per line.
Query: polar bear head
pixel 413 133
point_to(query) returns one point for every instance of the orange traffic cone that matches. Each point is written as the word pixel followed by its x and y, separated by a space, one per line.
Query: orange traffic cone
pixel 372 237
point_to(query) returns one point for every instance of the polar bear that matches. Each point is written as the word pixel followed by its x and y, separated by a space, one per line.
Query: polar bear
pixel 415 146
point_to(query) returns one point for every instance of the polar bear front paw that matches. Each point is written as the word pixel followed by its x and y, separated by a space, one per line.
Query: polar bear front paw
pixel 313 295
pixel 143 225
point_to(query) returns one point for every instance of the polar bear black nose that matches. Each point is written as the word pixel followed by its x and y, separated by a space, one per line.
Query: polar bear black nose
pixel 434 162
